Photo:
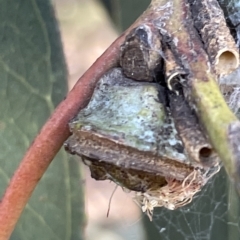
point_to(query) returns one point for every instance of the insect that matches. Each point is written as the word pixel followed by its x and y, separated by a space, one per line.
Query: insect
pixel 127 135
pixel 140 128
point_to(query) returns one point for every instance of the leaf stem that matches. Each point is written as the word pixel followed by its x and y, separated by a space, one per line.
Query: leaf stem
pixel 49 141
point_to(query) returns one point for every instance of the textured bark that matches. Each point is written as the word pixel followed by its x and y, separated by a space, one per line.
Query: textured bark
pixel 195 141
pixel 210 22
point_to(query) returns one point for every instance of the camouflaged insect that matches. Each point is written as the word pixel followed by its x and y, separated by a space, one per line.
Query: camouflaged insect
pixel 127 135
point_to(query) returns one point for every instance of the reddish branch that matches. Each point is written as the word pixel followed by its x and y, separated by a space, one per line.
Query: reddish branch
pixel 49 141
pixel 51 138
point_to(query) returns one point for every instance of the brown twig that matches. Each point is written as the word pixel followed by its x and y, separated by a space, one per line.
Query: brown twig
pixel 49 141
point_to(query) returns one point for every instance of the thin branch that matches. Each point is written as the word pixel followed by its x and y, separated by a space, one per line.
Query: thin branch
pixel 49 141
pixel 201 88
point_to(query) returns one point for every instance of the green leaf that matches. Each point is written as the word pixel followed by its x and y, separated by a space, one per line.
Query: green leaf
pixel 33 81
pixel 124 13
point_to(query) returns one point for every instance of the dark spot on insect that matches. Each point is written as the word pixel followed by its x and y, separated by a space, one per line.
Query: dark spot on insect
pixel 142 35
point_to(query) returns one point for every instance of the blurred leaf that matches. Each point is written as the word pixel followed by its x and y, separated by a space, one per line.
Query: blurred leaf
pixel 33 81
pixel 125 12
